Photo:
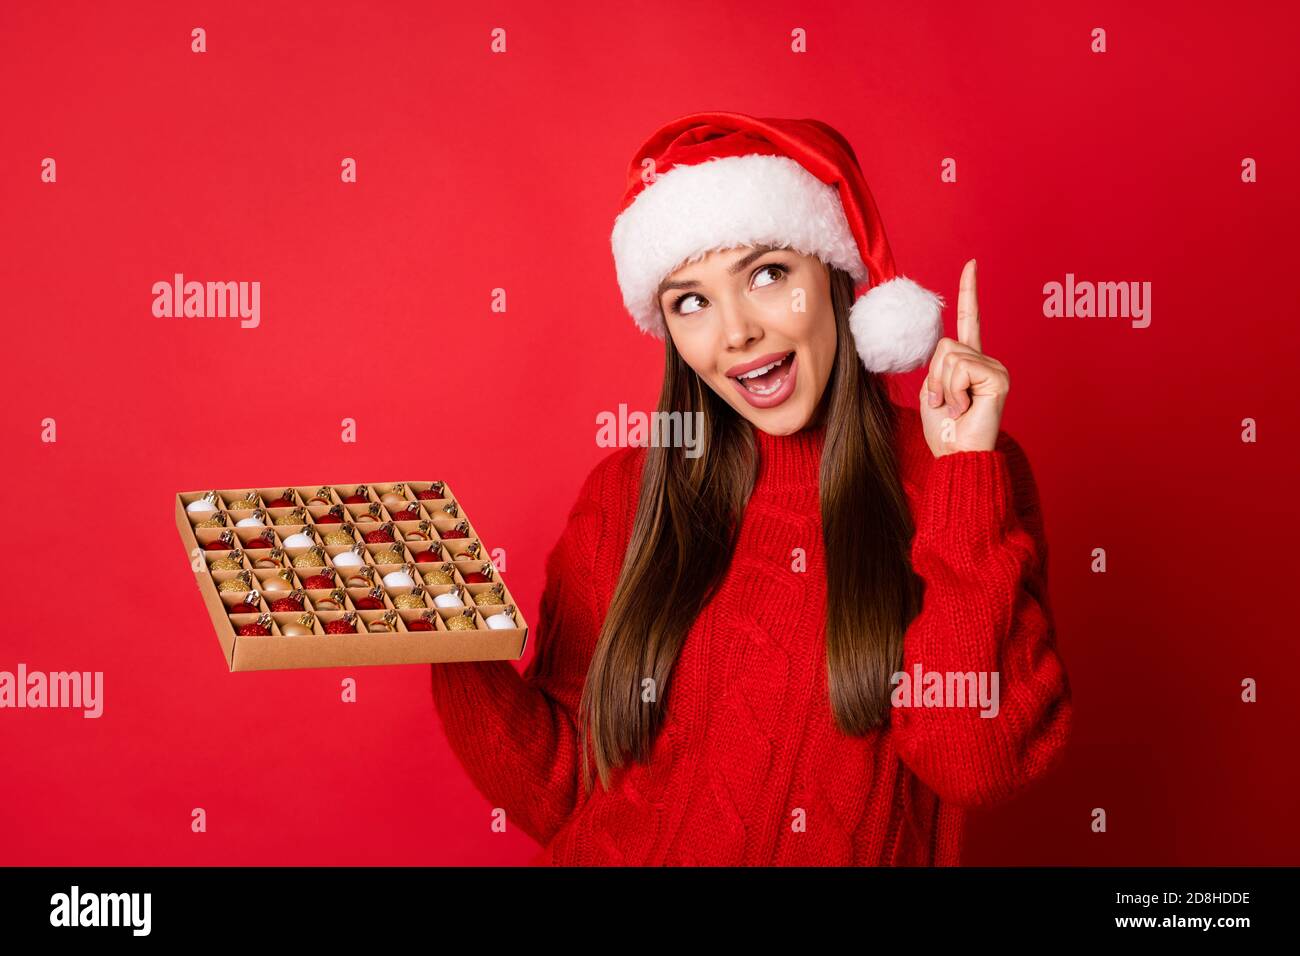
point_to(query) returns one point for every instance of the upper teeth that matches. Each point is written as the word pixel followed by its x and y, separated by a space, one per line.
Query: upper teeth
pixel 761 371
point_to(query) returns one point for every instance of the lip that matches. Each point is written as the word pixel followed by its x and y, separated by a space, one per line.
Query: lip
pixel 781 394
pixel 759 362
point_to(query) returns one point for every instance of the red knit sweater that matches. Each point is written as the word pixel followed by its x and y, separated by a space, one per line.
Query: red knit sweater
pixel 749 768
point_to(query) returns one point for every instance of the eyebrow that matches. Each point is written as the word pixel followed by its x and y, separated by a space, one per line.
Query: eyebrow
pixel 736 267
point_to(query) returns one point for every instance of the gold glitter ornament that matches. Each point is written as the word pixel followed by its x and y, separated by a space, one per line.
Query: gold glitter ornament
pixel 240 583
pixel 462 622
pixel 247 503
pixel 439 575
pixel 296 516
pixel 229 563
pixel 217 522
pixel 409 601
pixel 388 556
pixel 340 539
pixel 310 559
pixel 491 596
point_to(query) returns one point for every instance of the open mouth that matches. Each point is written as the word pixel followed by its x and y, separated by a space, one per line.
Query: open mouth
pixel 767 379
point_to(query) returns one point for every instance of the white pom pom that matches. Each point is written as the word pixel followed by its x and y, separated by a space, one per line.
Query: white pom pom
pixel 896 325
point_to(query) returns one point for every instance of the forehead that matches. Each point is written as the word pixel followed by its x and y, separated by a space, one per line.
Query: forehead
pixel 720 261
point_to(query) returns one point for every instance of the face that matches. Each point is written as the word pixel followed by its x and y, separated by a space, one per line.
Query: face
pixel 757 325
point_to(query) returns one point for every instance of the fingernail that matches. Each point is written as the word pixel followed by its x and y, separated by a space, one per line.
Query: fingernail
pixel 933 398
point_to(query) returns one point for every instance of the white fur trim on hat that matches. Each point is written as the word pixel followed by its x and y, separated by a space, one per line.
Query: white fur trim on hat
pixel 896 325
pixel 725 203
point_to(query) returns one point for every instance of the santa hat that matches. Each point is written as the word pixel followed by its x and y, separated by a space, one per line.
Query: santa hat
pixel 713 181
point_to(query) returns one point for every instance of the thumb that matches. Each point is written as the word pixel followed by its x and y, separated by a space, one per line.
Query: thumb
pixel 924 398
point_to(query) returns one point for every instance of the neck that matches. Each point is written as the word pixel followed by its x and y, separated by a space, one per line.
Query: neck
pixel 790 461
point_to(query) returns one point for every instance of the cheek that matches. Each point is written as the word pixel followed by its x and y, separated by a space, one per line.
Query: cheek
pixel 804 325
pixel 821 318
pixel 695 345
pixel 813 328
pixel 817 333
pixel 827 334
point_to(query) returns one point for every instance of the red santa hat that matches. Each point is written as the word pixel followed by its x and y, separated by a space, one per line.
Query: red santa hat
pixel 713 181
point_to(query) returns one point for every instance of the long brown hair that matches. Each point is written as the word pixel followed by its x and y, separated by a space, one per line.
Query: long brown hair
pixel 684 534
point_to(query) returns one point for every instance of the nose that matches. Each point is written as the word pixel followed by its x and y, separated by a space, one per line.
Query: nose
pixel 740 327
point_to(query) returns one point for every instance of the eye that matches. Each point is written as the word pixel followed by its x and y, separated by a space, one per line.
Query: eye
pixel 772 269
pixel 683 300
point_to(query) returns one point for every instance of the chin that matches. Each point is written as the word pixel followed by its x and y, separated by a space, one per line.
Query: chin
pixel 786 419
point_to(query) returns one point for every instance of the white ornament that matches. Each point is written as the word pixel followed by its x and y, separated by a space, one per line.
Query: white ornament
pixel 397 579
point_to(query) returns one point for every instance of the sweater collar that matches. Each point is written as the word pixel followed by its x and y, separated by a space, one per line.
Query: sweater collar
pixel 790 461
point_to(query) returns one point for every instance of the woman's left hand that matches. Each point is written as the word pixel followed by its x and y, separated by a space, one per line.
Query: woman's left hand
pixel 963 394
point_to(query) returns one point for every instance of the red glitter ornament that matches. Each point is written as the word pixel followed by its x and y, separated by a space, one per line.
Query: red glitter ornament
pixel 286 604
pixel 339 626
pixel 254 629
pixel 321 582
pixel 380 535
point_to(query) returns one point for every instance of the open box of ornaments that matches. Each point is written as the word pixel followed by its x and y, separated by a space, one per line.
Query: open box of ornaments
pixel 347 574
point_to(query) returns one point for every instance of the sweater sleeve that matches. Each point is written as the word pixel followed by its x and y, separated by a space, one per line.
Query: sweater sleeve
pixel 516 734
pixel 981 551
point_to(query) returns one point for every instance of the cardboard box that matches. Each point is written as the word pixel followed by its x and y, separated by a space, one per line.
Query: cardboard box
pixel 417 525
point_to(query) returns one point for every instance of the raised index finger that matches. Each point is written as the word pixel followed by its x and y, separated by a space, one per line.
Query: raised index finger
pixel 968 309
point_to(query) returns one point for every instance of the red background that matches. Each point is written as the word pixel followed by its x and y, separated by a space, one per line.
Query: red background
pixel 479 170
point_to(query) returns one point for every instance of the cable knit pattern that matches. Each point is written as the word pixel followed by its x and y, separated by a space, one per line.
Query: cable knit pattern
pixel 749 768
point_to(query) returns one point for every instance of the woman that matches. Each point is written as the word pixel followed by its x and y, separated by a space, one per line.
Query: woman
pixel 822 638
